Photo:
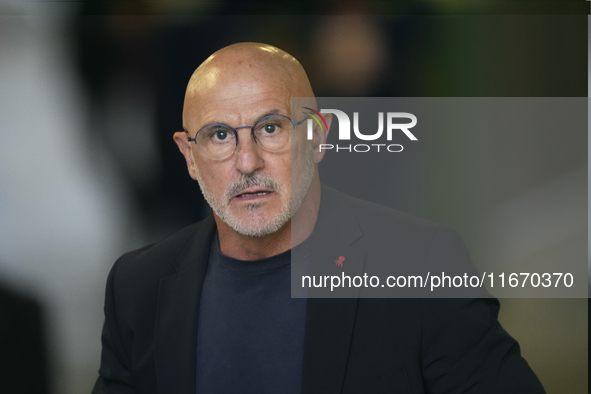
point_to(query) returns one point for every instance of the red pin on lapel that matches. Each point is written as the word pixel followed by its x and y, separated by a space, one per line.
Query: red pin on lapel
pixel 339 262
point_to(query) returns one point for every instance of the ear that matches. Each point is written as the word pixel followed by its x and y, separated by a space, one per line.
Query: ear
pixel 180 137
pixel 320 136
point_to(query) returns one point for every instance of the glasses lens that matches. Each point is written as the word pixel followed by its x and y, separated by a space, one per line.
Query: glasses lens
pixel 273 132
pixel 216 141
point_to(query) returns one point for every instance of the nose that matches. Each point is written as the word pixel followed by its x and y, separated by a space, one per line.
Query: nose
pixel 247 153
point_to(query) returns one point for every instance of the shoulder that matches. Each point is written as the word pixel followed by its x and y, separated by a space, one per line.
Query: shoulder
pixel 380 221
pixel 393 241
pixel 373 211
pixel 148 265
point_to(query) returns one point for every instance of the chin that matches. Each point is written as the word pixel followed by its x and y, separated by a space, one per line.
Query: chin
pixel 254 222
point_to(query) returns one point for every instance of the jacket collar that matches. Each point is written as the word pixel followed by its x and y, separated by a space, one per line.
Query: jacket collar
pixel 177 312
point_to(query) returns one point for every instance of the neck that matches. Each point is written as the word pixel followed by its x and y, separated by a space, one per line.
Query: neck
pixel 294 232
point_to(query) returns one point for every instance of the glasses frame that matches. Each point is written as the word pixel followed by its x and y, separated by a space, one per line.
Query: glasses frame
pixel 235 131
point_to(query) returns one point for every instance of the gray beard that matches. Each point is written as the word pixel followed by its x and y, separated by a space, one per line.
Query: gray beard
pixel 250 225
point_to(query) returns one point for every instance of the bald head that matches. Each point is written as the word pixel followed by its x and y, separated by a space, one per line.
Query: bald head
pixel 246 62
pixel 238 86
pixel 244 70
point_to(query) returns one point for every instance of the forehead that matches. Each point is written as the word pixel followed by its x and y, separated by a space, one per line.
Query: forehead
pixel 237 101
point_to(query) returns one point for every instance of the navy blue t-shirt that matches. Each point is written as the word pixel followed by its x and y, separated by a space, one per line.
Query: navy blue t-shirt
pixel 250 332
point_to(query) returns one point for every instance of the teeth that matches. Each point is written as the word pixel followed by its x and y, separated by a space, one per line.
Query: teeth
pixel 254 194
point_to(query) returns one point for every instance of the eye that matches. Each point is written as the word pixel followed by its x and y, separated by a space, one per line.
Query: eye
pixel 220 135
pixel 270 128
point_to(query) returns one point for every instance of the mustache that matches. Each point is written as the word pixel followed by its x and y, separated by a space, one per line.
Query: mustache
pixel 247 181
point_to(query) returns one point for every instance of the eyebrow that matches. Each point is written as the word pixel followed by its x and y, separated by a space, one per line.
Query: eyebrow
pixel 268 113
pixel 272 112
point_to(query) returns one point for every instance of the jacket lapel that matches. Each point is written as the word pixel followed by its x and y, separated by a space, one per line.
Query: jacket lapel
pixel 330 321
pixel 177 313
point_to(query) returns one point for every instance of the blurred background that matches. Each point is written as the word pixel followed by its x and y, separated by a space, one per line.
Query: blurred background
pixel 91 93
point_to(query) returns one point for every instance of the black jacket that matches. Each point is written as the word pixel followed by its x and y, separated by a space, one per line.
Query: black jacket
pixel 352 345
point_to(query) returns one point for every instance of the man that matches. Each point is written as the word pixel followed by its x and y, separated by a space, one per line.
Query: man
pixel 208 310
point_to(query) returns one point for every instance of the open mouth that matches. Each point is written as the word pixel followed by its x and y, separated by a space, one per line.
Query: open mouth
pixel 253 194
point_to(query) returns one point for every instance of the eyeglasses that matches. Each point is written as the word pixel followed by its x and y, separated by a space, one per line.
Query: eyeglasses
pixel 218 141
